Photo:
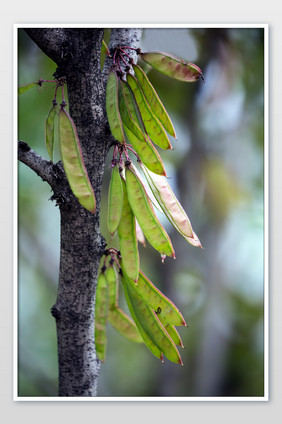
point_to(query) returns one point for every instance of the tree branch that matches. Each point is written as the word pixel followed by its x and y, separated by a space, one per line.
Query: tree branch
pixel 50 41
pixel 40 165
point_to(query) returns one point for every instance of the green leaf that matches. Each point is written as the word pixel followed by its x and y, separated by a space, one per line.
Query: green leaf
pixel 24 88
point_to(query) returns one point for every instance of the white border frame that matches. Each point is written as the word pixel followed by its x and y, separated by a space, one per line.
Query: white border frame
pixel 264 398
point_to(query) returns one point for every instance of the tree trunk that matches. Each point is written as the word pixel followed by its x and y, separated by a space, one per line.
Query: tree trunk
pixel 77 54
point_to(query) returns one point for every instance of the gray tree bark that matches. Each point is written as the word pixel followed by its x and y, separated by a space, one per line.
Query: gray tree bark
pixel 76 52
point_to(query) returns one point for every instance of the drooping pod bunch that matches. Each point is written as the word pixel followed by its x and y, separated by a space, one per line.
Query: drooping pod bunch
pixel 154 315
pixel 70 149
pixel 141 125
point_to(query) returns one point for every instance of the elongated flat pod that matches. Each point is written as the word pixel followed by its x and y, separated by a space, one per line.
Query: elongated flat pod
pixel 128 245
pixel 151 325
pixel 124 325
pixel 145 214
pixel 171 331
pixel 112 280
pixel 115 197
pixel 168 202
pixel 135 314
pixel 101 312
pixel 172 66
pixel 50 130
pixel 154 100
pixel 73 163
pixel 112 107
pixel 157 300
pixel 24 88
pixel 152 124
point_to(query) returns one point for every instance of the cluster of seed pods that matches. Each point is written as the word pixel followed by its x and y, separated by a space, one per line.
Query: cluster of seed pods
pixel 140 124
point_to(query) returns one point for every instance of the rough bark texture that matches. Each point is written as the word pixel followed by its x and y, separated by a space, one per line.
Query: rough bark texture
pixel 77 54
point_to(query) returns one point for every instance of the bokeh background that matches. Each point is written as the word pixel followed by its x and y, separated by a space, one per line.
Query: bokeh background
pixel 217 171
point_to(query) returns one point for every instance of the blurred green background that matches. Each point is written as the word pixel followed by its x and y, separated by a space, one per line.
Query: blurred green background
pixel 217 171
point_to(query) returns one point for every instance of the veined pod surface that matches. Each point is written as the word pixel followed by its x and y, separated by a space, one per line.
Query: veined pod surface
pixel 152 326
pixel 168 202
pixel 114 200
pixel 73 162
pixel 154 100
pixel 124 325
pixel 152 124
pixel 145 214
pixel 127 238
pixel 50 130
pixel 112 107
pixel 157 300
pixel 144 334
pixel 172 66
pixel 171 331
pixel 101 312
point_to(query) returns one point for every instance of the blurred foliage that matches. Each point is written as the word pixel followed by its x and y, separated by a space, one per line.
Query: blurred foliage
pixel 216 170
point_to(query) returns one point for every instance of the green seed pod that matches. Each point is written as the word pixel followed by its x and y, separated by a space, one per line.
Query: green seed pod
pixel 124 325
pixel 101 312
pixel 148 320
pixel 115 197
pixel 50 130
pixel 156 300
pixel 24 88
pixel 154 100
pixel 153 126
pixel 112 107
pixel 112 280
pixel 145 214
pixel 171 331
pixel 172 66
pixel 144 334
pixel 128 245
pixel 73 162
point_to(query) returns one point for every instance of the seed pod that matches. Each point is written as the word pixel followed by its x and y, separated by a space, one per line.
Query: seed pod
pixel 145 214
pixel 171 331
pixel 114 200
pixel 73 162
pixel 124 325
pixel 172 66
pixel 50 130
pixel 139 234
pixel 24 88
pixel 127 238
pixel 154 100
pixel 112 280
pixel 112 107
pixel 156 299
pixel 153 126
pixel 138 138
pixel 148 320
pixel 168 202
pixel 101 312
pixel 105 49
pixel 135 313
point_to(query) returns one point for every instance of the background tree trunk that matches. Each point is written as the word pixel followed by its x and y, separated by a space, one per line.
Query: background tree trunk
pixel 77 54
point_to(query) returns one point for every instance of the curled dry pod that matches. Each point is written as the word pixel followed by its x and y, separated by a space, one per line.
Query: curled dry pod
pixel 148 320
pixel 145 214
pixel 112 107
pixel 138 138
pixel 170 205
pixel 135 313
pixel 50 130
pixel 154 100
pixel 153 126
pixel 73 162
pixel 157 300
pixel 172 66
pixel 101 312
pixel 115 197
pixel 128 245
